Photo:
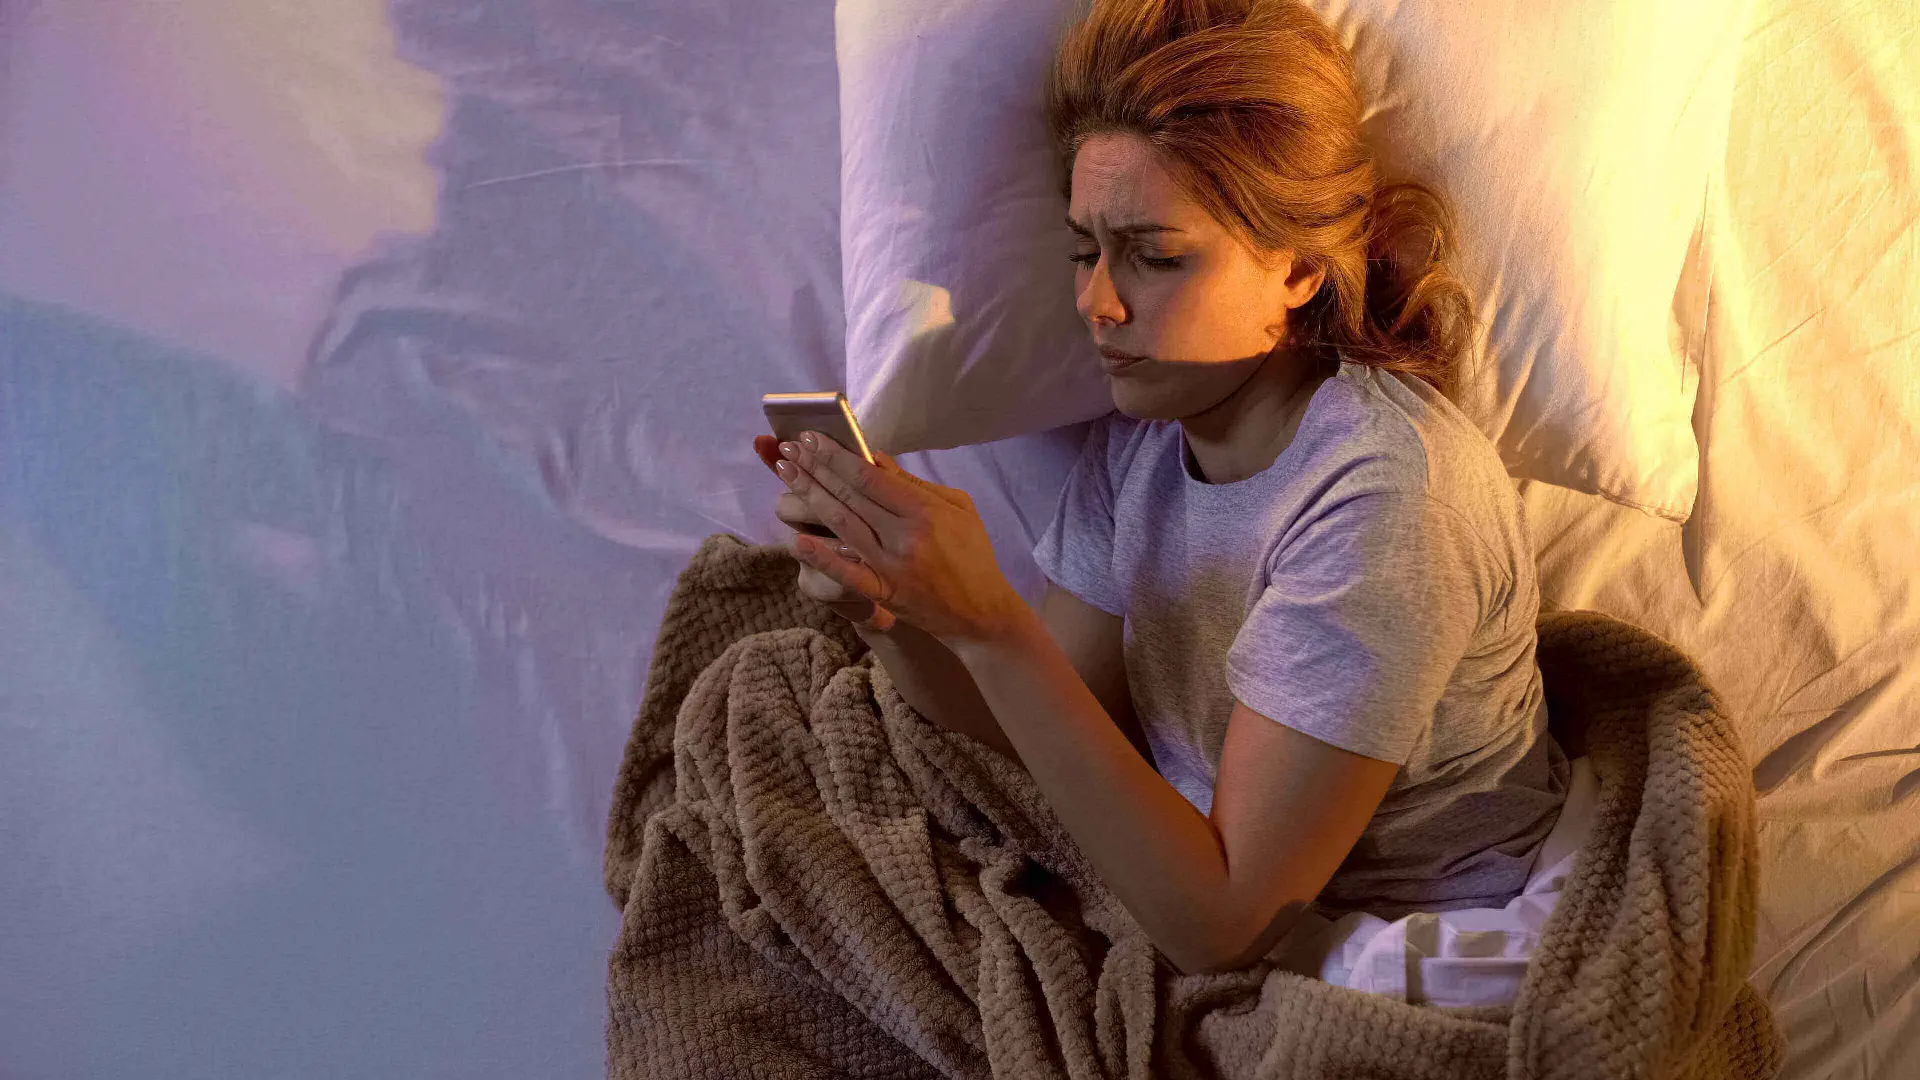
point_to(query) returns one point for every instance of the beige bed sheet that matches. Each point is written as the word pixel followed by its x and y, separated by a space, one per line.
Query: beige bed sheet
pixel 1797 581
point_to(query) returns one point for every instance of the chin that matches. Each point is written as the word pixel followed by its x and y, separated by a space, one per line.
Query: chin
pixel 1131 403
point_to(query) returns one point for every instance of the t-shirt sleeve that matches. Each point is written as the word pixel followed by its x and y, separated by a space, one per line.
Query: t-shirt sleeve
pixel 1076 551
pixel 1368 609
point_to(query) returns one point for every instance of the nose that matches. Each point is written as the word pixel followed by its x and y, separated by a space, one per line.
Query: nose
pixel 1099 304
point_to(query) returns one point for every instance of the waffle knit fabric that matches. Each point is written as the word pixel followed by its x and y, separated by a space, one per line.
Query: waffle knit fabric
pixel 815 881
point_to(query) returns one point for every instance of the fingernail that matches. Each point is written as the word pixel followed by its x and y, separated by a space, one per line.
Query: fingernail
pixel 788 449
pixel 784 468
pixel 811 442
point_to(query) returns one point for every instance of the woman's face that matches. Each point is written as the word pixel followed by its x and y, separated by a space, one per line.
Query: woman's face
pixel 1159 278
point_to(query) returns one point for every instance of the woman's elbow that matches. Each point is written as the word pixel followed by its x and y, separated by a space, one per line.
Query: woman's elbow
pixel 1215 960
pixel 1205 953
pixel 1189 967
pixel 1231 950
pixel 1182 962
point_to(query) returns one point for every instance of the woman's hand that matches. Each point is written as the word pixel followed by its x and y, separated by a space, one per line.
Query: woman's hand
pixel 813 584
pixel 917 549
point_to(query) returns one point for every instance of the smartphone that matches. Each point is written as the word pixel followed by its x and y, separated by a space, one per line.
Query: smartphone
pixel 825 411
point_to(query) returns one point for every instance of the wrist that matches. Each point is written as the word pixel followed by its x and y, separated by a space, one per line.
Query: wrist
pixel 1019 628
pixel 854 611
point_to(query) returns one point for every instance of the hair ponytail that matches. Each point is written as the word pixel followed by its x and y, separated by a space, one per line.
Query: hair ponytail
pixel 1253 102
pixel 1414 316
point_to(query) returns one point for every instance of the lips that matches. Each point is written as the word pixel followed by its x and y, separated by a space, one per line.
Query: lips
pixel 1114 360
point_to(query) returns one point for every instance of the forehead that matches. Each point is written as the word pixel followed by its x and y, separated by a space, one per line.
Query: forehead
pixel 1118 178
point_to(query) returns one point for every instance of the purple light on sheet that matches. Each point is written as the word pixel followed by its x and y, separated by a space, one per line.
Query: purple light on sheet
pixel 203 171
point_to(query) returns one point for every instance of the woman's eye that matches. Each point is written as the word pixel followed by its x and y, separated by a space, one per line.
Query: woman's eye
pixel 1088 258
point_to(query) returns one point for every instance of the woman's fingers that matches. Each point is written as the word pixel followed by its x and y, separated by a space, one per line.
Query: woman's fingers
pixel 819 586
pixel 845 522
pixel 952 496
pixel 831 482
pixel 836 503
pixel 845 603
pixel 768 448
pixel 794 511
pixel 859 577
pixel 790 508
pixel 857 483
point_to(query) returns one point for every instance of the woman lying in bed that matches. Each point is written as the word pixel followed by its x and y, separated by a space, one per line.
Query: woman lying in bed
pixel 1302 566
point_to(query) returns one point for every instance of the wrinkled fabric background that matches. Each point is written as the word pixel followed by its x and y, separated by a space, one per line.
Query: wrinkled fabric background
pixel 367 375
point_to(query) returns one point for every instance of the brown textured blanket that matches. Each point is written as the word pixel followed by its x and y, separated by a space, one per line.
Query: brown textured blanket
pixel 817 882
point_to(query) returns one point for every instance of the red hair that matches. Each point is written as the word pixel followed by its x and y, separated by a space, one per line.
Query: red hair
pixel 1253 106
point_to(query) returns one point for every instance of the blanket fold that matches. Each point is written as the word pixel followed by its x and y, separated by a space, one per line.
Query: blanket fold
pixel 815 881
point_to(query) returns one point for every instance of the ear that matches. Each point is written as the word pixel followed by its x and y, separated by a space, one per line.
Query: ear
pixel 1304 278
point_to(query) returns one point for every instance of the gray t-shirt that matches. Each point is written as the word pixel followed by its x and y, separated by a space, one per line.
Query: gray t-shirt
pixel 1374 588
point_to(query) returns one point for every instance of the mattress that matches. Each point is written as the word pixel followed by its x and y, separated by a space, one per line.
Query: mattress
pixel 366 377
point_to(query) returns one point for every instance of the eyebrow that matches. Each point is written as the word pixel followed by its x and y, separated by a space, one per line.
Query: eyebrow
pixel 1131 228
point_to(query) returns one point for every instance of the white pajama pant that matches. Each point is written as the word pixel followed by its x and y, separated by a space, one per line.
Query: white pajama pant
pixel 1474 956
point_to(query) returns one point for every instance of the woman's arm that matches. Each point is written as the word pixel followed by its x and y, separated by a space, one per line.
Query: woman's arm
pixel 934 681
pixel 1213 893
pixel 1209 892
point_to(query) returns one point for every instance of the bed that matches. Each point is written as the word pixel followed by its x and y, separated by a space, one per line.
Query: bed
pixel 366 378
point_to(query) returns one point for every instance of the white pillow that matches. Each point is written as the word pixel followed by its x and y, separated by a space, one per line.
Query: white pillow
pixel 1576 141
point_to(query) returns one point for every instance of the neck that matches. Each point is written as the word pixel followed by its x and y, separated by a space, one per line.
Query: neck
pixel 1247 430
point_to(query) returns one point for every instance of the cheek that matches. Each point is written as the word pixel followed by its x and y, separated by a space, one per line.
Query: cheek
pixel 1201 319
